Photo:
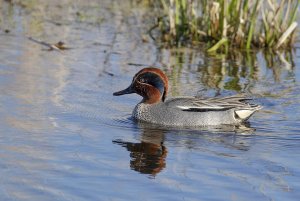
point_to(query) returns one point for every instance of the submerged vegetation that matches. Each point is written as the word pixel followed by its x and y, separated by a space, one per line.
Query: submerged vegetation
pixel 223 24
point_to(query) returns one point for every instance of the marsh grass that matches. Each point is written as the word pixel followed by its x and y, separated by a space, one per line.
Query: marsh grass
pixel 223 24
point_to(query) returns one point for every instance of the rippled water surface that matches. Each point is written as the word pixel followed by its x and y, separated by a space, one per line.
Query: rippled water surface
pixel 65 137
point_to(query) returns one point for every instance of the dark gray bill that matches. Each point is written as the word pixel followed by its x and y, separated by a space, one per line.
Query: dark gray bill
pixel 129 90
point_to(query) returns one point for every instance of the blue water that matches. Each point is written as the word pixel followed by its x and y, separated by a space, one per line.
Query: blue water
pixel 63 136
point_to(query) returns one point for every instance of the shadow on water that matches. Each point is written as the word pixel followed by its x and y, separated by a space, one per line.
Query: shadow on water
pixel 148 155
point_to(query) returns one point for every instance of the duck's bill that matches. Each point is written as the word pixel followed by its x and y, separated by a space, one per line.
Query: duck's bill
pixel 129 90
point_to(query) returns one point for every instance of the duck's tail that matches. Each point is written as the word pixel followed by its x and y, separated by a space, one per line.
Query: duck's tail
pixel 244 114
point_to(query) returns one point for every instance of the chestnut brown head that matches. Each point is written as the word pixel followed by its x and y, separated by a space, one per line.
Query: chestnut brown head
pixel 150 83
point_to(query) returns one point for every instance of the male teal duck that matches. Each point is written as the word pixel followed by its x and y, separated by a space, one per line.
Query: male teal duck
pixel 152 84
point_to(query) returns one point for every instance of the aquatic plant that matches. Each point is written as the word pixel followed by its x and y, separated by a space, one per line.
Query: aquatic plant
pixel 229 23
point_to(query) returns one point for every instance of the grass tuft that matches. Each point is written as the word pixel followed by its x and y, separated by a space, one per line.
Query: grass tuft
pixel 229 23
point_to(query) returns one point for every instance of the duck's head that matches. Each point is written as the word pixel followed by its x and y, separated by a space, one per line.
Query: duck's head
pixel 150 83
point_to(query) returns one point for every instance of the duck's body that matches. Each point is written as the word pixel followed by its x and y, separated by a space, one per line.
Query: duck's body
pixel 151 83
pixel 190 111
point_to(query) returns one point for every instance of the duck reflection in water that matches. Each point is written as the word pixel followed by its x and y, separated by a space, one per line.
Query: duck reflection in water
pixel 149 155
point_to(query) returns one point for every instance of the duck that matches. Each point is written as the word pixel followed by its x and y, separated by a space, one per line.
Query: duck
pixel 152 84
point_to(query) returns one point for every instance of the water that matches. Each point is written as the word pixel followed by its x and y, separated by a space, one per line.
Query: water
pixel 65 137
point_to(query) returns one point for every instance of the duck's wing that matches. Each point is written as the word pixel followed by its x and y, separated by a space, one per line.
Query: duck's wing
pixel 242 108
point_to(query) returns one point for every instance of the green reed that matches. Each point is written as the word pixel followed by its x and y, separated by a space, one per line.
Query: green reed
pixel 222 24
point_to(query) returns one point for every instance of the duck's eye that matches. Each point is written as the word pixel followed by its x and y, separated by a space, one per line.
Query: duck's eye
pixel 142 80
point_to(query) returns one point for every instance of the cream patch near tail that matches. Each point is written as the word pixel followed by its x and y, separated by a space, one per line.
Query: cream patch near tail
pixel 244 114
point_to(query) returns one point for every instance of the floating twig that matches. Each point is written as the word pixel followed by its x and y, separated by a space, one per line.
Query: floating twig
pixel 135 64
pixel 57 46
pixel 217 45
